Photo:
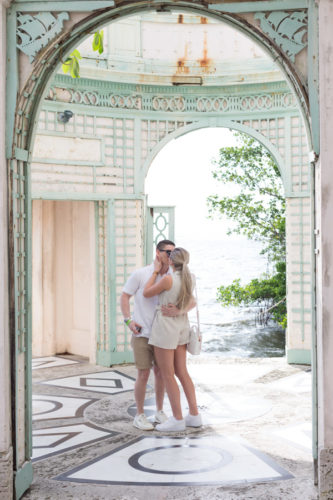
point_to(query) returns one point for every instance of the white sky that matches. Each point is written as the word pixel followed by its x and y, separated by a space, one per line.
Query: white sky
pixel 181 175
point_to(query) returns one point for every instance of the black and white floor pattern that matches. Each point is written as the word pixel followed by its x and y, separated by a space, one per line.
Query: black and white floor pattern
pixel 214 408
pixel 53 407
pixel 51 362
pixel 108 382
pixel 191 459
pixel 179 461
pixel 53 440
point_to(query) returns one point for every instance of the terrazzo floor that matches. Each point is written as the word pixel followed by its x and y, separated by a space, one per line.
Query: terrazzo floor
pixel 256 434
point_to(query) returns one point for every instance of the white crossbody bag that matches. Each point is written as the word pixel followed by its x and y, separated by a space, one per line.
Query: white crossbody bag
pixel 195 341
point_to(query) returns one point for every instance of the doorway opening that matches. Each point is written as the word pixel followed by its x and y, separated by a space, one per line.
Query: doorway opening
pixel 63 278
pixel 181 176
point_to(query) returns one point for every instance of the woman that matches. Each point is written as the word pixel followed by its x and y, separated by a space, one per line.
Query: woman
pixel 170 335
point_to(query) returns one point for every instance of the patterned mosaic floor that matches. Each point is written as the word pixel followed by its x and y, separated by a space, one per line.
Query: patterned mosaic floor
pixel 153 458
pixel 215 408
pixel 51 362
pixel 55 407
pixel 179 461
pixel 110 382
pixel 53 440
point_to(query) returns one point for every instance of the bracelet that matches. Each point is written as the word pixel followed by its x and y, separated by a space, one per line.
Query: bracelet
pixel 128 321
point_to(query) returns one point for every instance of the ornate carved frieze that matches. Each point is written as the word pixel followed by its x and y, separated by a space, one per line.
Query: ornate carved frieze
pixel 287 29
pixel 35 31
pixel 178 103
pixel 95 98
pixel 168 103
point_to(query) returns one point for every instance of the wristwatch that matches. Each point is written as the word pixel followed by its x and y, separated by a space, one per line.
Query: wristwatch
pixel 127 321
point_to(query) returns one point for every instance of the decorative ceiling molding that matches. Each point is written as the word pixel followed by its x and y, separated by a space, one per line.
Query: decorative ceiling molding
pixel 35 32
pixel 287 29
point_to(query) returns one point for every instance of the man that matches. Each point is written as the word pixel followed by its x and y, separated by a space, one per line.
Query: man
pixel 140 325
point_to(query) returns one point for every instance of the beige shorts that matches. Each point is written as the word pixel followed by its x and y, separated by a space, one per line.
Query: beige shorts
pixel 143 353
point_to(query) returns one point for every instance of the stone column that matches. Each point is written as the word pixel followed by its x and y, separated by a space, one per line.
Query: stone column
pixel 6 455
pixel 324 209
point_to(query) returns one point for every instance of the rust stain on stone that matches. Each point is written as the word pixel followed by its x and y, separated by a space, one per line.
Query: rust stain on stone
pixel 203 20
pixel 181 68
pixel 206 64
pixel 181 63
pixel 180 19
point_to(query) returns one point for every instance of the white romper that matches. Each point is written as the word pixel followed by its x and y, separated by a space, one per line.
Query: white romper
pixel 166 332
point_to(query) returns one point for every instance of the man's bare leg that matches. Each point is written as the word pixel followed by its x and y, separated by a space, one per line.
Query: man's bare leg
pixel 140 389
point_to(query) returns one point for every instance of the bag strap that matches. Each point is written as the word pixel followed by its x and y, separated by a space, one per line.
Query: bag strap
pixel 196 302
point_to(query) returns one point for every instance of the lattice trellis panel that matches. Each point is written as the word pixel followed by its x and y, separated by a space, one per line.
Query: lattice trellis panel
pixel 119 252
pixel 89 154
pixel 164 222
pixel 299 293
pixel 102 285
pixel 299 151
pixel 160 226
pixel 153 131
pixel 128 244
pixel 288 135
pixel 19 229
pixel 270 111
pixel 274 129
pixel 20 217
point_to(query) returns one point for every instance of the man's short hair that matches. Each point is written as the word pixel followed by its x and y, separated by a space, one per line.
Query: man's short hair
pixel 163 243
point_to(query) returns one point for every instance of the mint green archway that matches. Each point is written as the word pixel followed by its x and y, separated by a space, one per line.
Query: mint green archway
pixel 26 101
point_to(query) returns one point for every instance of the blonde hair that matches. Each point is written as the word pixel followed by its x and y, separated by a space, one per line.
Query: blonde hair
pixel 180 258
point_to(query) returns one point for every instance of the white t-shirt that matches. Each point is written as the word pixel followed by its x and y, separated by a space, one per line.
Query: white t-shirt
pixel 144 307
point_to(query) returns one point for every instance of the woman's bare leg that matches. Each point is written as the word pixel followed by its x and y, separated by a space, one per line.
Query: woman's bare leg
pixel 165 362
pixel 185 379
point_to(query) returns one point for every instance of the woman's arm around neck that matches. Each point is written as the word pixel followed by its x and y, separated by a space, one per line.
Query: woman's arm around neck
pixel 151 288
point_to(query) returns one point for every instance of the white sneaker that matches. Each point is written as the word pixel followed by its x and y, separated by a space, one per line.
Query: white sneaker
pixel 193 420
pixel 171 425
pixel 160 417
pixel 142 423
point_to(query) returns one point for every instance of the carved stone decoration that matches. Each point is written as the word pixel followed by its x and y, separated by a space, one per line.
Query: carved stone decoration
pixel 36 31
pixel 287 29
pixel 274 100
pixel 168 103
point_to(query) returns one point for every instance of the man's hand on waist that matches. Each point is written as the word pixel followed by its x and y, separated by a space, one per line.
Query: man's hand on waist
pixel 170 310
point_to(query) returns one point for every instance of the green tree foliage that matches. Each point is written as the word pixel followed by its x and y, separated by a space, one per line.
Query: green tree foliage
pixel 258 212
pixel 98 41
pixel 72 64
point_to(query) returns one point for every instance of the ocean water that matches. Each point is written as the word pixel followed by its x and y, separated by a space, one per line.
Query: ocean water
pixel 230 331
